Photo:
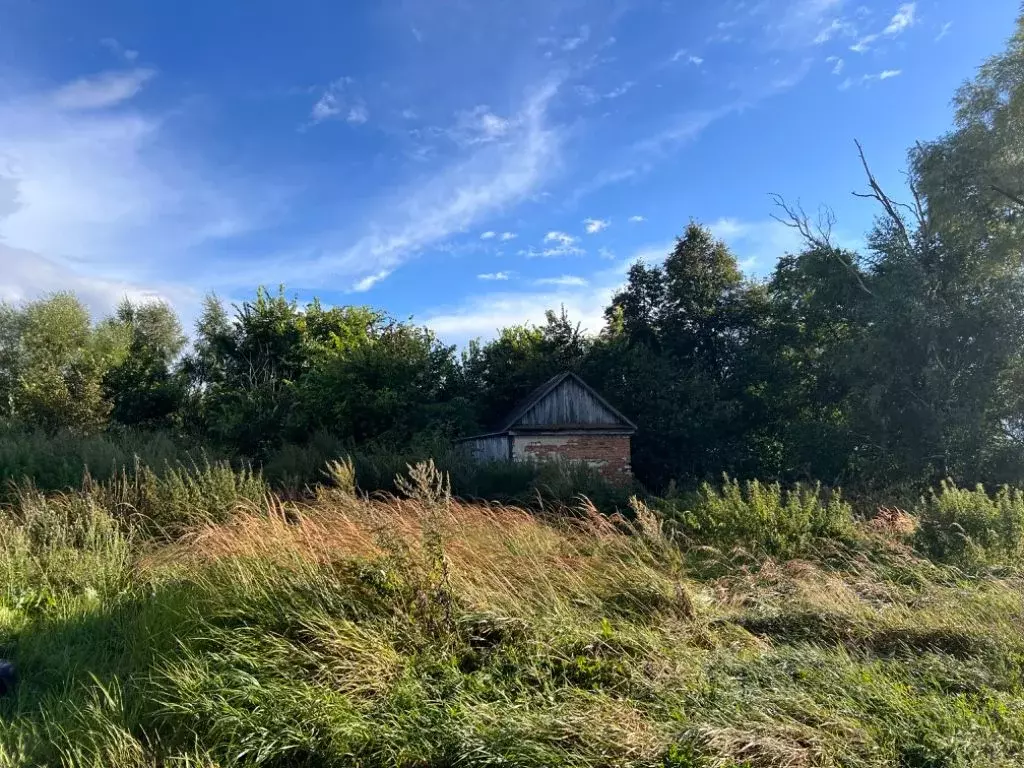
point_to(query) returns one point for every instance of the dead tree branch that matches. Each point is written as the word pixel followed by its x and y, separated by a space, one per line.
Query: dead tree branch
pixel 1007 194
pixel 890 206
pixel 818 235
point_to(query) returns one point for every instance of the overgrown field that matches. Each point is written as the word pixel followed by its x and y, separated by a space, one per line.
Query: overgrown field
pixel 199 621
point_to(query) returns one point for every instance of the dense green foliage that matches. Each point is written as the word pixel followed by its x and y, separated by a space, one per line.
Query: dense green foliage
pixel 971 527
pixel 893 367
pixel 763 517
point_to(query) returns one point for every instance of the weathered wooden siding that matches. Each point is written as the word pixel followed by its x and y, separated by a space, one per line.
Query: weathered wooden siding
pixel 569 404
pixel 489 448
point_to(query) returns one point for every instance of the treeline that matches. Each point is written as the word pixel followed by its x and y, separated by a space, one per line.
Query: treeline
pixel 891 367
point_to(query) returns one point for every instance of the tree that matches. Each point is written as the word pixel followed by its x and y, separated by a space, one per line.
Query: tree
pixel 816 316
pixel 144 389
pixel 54 362
pixel 672 358
pixel 393 385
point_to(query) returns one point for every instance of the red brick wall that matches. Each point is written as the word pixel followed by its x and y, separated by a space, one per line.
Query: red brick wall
pixel 609 454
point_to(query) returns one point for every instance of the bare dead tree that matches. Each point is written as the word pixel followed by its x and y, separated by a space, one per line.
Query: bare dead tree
pixel 891 207
pixel 818 234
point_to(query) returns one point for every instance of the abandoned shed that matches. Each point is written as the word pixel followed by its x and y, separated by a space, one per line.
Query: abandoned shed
pixel 564 418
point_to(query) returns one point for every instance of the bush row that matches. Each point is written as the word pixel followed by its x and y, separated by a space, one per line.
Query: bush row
pixel 171 485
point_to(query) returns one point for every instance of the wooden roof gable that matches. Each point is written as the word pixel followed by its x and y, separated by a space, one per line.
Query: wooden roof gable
pixel 582 407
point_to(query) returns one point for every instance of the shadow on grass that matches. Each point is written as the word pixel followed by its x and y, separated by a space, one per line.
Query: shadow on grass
pixel 890 642
pixel 100 653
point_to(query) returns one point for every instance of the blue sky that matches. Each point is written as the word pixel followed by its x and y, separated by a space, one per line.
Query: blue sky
pixel 467 163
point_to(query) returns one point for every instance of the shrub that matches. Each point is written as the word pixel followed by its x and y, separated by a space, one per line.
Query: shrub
pixel 61 545
pixel 761 516
pixel 182 496
pixel 57 462
pixel 970 527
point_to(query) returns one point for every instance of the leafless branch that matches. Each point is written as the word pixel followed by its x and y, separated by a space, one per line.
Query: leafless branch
pixel 818 235
pixel 1007 194
pixel 877 193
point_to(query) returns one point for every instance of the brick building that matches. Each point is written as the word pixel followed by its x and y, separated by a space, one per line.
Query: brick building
pixel 564 418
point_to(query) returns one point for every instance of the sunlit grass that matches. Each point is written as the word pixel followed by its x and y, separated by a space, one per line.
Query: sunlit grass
pixel 422 631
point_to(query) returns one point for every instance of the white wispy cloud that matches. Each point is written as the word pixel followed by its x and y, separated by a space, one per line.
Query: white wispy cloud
pixel 479 126
pixel 691 58
pixel 326 107
pixel 793 24
pixel 107 89
pixel 944 31
pixel 835 28
pixel 563 280
pixel 620 91
pixel 484 315
pixel 904 18
pixel 119 50
pixel 559 237
pixel 494 276
pixel 488 178
pixel 574 42
pixel 29 275
pixel 864 43
pixel 506 236
pixel 606 253
pixel 488 235
pixel 637 219
pixel 358 114
pixel 555 244
pixel 886 74
pixel 837 64
pixel 593 226
pixel 109 193
pixel 758 243
pixel 369 281
pixel 642 156
pixel 335 101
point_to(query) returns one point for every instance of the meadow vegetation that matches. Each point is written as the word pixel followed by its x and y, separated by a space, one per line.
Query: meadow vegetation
pixel 419 630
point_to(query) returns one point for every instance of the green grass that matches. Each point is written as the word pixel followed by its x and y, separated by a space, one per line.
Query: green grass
pixel 426 632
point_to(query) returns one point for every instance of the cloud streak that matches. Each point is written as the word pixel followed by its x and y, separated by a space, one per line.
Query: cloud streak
pixel 493 177
pixel 107 89
pixel 903 19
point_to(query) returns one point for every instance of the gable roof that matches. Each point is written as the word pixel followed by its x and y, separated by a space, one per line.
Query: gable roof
pixel 546 389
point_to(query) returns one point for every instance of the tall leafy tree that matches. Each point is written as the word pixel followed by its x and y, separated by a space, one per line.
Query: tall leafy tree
pixel 54 362
pixel 672 358
pixel 144 389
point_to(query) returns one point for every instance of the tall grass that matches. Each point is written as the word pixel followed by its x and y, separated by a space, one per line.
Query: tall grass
pixel 57 462
pixel 421 630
